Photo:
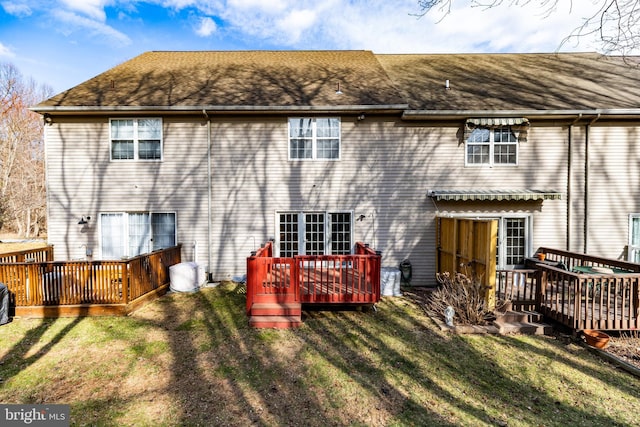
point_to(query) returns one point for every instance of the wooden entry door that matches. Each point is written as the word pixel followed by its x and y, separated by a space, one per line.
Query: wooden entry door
pixel 468 246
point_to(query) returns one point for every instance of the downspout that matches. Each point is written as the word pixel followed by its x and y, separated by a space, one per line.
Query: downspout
pixel 209 197
pixel 586 181
pixel 569 181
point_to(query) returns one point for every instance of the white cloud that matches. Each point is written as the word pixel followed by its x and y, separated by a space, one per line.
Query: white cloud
pixel 94 28
pixel 16 8
pixel 206 26
pixel 6 51
pixel 379 25
pixel 387 27
pixel 263 6
pixel 295 23
pixel 92 8
pixel 286 23
pixel 521 28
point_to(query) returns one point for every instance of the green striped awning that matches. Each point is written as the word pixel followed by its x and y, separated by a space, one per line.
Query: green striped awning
pixel 498 195
pixel 498 121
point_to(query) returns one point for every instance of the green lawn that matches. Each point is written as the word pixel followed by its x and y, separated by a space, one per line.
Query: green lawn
pixel 191 359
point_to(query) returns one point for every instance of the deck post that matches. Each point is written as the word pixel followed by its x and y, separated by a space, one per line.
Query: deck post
pixel 126 272
pixel 541 282
pixel 251 272
pixel 635 289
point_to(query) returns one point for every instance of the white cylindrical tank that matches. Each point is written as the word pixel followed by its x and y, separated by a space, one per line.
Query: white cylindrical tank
pixel 390 282
pixel 186 277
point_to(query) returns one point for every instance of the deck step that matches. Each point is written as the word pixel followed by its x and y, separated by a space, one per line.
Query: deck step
pixel 277 322
pixel 527 328
pixel 276 309
pixel 519 316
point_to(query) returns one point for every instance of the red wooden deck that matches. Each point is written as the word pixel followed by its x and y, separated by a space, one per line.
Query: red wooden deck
pixel 327 279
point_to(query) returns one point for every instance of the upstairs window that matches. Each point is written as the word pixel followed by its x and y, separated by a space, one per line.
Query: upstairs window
pixel 491 146
pixel 136 139
pixel 314 138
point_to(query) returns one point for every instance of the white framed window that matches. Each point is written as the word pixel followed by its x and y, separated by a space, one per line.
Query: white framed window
pixel 127 234
pixel 491 146
pixel 314 233
pixel 136 139
pixel 633 251
pixel 514 243
pixel 314 138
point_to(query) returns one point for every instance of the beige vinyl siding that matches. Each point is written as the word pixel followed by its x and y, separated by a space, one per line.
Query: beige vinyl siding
pixel 614 180
pixel 386 169
pixel 379 176
pixel 575 196
pixel 82 181
pixel 542 164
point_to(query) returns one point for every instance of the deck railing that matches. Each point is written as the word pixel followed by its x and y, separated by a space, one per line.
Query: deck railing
pixel 272 276
pixel 570 260
pixel 66 283
pixel 590 301
pixel 519 287
pixel 314 279
pixel 42 254
pixel 565 287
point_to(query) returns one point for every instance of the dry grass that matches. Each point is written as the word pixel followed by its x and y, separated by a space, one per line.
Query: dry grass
pixel 191 359
pixel 6 247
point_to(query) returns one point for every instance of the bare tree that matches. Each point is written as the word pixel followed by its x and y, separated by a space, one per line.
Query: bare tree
pixel 616 22
pixel 22 179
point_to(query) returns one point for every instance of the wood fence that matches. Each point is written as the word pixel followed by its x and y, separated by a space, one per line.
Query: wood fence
pixel 72 288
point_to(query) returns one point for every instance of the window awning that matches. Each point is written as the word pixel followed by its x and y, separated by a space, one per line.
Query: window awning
pixel 498 121
pixel 498 195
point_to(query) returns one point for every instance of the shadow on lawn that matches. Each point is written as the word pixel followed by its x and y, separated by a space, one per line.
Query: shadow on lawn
pixel 233 377
pixel 342 368
pixel 16 359
pixel 447 374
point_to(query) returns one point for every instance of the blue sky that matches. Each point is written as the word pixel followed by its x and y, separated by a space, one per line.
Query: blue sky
pixel 63 43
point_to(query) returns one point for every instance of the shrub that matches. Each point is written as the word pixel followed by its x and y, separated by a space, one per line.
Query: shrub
pixel 466 295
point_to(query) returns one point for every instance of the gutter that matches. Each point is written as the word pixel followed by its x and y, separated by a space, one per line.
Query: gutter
pixel 530 114
pixel 569 181
pixel 209 196
pixel 406 112
pixel 586 181
pixel 221 109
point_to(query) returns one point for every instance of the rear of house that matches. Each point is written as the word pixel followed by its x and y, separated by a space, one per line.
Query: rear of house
pixel 223 151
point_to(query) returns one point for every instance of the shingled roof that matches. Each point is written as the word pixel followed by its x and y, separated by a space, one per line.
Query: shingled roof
pixel 309 80
pixel 238 80
pixel 512 82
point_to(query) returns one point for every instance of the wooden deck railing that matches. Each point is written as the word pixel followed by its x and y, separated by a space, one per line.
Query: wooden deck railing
pixel 271 276
pixel 566 289
pixel 574 259
pixel 42 254
pixel 519 287
pixel 68 283
pixel 314 279
pixel 590 301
